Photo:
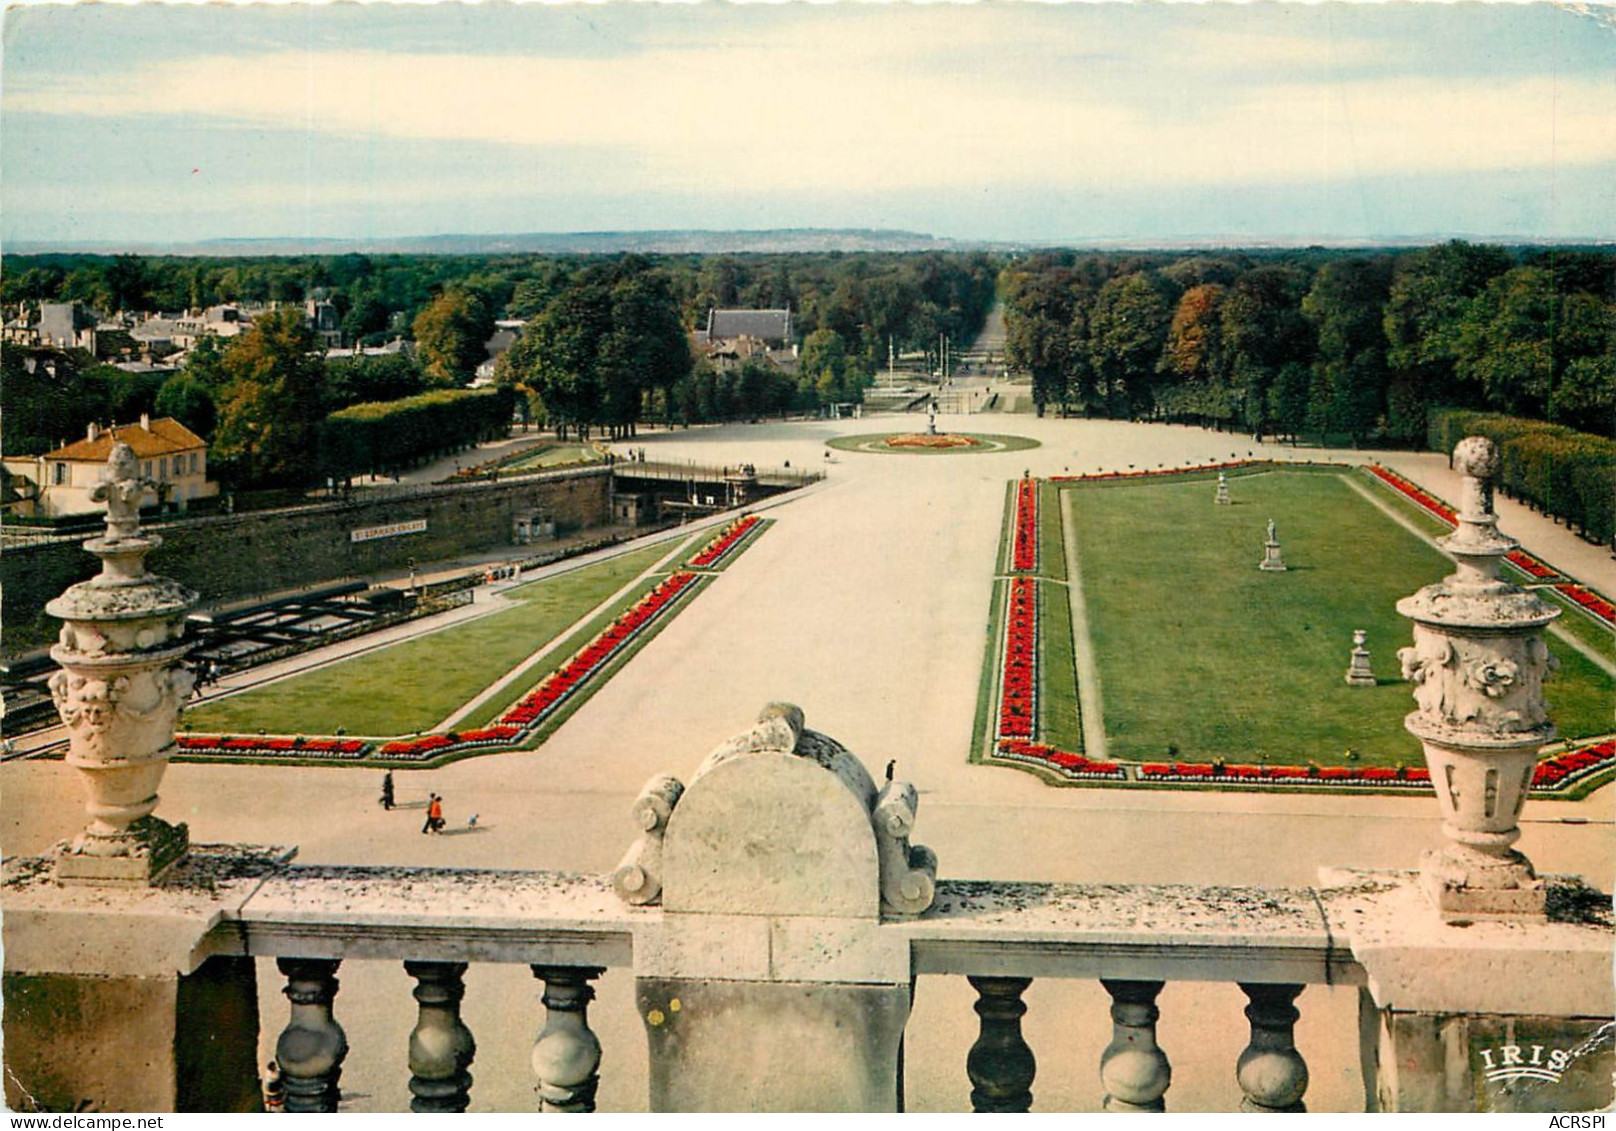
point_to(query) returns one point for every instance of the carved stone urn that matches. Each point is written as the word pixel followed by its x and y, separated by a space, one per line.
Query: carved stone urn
pixel 120 691
pixel 1478 664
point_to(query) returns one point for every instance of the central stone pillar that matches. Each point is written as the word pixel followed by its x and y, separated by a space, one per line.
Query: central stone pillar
pixel 770 984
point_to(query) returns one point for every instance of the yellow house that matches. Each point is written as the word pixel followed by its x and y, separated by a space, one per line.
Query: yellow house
pixel 59 483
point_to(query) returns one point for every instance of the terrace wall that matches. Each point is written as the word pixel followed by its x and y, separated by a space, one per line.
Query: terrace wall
pixel 232 557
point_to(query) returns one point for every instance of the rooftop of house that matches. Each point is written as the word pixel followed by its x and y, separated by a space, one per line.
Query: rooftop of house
pixel 147 439
pixel 766 325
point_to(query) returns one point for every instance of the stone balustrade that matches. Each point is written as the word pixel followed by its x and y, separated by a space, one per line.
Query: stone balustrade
pixel 570 928
pixel 235 905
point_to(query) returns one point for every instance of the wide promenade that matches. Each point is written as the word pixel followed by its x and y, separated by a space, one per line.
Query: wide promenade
pixel 866 603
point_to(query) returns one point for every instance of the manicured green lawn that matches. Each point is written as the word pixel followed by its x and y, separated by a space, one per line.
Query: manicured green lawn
pixel 551 455
pixel 412 685
pixel 1579 624
pixel 1059 722
pixel 1051 540
pixel 497 704
pixel 1199 650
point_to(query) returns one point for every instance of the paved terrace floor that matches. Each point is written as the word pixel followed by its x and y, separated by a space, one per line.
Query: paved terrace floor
pixel 866 604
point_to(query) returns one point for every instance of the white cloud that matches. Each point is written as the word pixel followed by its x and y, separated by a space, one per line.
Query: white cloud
pixel 832 110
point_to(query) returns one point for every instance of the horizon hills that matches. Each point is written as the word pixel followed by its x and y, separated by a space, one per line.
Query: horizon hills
pixel 717 241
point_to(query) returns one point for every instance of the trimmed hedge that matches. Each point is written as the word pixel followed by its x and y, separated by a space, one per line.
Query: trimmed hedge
pixel 1562 472
pixel 382 436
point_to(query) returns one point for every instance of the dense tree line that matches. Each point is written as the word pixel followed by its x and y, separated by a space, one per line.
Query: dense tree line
pixel 606 348
pixel 1361 346
pixel 865 298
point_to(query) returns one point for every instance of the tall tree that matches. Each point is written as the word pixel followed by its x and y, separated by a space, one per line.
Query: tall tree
pixel 1345 306
pixel 451 332
pixel 188 400
pixel 606 340
pixel 1263 329
pixel 1127 330
pixel 1506 341
pixel 1192 359
pixel 1038 329
pixel 273 401
pixel 1431 291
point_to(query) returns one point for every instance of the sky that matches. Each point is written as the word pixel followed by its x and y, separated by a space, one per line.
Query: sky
pixel 1027 122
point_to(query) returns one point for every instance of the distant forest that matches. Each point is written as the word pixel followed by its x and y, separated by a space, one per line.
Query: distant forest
pixel 1333 344
pixel 1351 346
pixel 604 348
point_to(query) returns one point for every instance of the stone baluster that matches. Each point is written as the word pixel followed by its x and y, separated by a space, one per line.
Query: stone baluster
pixel 1272 1074
pixel 566 1057
pixel 1133 1068
pixel 441 1047
pixel 1000 1064
pixel 312 1046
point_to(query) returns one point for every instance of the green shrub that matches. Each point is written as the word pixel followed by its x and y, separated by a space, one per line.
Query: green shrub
pixel 383 436
pixel 1565 473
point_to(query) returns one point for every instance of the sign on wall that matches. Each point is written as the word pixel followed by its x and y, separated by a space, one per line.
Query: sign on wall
pixel 391 530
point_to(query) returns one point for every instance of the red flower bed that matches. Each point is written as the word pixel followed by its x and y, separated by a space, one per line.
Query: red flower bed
pixel 1063 762
pixel 531 710
pixel 1419 495
pixel 1025 557
pixel 1531 566
pixel 542 701
pixel 1283 775
pixel 1018 698
pixel 1562 769
pixel 1591 601
pixel 269 745
pixel 714 551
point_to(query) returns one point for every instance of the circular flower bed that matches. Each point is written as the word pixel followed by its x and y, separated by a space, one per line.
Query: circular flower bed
pixel 925 443
pixel 933 440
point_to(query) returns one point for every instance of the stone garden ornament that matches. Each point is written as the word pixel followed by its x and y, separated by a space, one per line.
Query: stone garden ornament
pixel 1478 663
pixel 120 691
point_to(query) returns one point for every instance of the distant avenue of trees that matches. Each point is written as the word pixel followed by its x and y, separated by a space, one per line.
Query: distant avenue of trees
pixel 1360 346
pixel 1354 346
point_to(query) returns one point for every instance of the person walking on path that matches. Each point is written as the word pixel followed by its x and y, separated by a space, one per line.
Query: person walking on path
pixel 434 814
pixel 892 768
pixel 387 791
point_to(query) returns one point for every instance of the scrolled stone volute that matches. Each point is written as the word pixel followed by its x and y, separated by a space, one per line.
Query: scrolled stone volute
pixel 782 820
pixel 908 872
pixel 638 878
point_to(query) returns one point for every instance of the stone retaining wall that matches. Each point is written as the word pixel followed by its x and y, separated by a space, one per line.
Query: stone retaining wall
pixel 231 557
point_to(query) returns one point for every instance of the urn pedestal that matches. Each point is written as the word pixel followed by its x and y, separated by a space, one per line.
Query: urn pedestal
pixel 120 690
pixel 1478 664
